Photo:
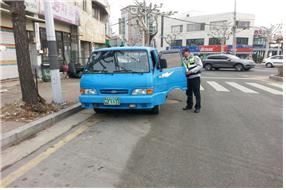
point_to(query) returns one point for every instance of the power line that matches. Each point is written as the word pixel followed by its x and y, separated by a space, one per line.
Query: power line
pixel 124 21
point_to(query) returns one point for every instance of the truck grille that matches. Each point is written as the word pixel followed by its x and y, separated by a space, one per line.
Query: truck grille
pixel 113 91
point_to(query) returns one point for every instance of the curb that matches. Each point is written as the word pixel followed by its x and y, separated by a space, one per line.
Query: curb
pixel 17 135
pixel 277 78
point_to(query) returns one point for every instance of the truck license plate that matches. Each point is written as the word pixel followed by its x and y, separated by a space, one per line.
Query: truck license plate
pixel 112 101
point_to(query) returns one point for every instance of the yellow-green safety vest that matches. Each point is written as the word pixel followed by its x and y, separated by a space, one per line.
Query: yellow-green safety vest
pixel 190 63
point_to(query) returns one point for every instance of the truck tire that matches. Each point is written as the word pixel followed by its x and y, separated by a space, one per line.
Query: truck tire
pixel 155 110
pixel 99 111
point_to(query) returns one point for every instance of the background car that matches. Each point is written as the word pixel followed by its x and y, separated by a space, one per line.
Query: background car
pixel 273 61
pixel 217 61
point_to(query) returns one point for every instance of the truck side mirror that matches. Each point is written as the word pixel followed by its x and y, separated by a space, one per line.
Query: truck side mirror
pixel 163 63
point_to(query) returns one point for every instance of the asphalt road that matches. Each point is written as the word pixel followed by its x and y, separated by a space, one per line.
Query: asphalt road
pixel 236 141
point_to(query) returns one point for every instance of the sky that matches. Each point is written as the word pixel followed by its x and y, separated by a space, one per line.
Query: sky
pixel 266 11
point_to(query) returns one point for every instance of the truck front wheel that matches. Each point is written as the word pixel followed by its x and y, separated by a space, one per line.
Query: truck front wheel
pixel 98 111
pixel 155 110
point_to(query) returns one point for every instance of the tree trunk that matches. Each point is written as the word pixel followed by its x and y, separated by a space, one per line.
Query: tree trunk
pixel 28 87
pixel 267 47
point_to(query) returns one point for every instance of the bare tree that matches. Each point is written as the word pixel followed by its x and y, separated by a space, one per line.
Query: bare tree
pixel 222 32
pixel 170 38
pixel 147 19
pixel 28 88
pixel 271 34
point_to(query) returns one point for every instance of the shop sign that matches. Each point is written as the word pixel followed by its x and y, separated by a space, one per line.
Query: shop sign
pixel 63 11
pixel 212 48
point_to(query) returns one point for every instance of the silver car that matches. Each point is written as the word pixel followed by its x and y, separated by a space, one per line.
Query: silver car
pixel 217 61
pixel 273 61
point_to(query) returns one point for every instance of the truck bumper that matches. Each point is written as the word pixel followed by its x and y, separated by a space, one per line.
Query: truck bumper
pixel 126 102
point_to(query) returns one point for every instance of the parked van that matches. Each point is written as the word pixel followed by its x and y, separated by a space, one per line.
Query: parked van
pixel 130 78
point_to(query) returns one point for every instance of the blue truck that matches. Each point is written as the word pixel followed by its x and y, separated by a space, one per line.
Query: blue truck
pixel 131 78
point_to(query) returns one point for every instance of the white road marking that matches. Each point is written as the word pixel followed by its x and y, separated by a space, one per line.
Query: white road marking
pixel 217 86
pixel 241 88
pixel 231 78
pixel 277 85
pixel 265 88
pixel 202 88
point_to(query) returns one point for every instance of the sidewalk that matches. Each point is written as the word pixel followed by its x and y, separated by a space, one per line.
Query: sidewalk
pixel 11 93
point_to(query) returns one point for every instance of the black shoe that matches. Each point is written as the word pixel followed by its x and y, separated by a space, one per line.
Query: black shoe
pixel 197 110
pixel 187 108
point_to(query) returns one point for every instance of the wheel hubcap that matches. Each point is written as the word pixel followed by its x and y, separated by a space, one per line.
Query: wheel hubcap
pixel 238 67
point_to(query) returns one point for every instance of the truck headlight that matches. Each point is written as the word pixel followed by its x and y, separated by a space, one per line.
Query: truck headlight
pixel 139 91
pixel 87 91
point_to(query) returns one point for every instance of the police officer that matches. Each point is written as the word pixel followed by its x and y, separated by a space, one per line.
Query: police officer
pixel 193 66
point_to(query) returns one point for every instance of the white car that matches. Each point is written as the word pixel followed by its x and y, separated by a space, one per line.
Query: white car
pixel 273 61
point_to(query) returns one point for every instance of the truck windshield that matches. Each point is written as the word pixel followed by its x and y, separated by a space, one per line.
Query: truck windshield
pixel 118 62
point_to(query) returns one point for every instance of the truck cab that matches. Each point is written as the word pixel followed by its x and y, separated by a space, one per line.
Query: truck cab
pixel 129 78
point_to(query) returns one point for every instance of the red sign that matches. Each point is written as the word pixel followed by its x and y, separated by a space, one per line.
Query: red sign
pixel 217 49
pixel 212 48
pixel 244 49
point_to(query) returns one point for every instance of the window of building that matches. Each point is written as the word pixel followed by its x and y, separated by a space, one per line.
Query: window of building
pixel 122 26
pixel 214 41
pixel 218 24
pixel 243 24
pixel 43 38
pixel 63 41
pixel 195 42
pixel 177 43
pixel 31 36
pixel 95 11
pixel 242 41
pixel 195 27
pixel 177 28
pixel 99 12
pixel 259 41
pixel 84 5
pixel 60 48
pixel 67 46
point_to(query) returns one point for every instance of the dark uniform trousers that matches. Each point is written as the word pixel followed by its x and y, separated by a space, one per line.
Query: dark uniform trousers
pixel 194 87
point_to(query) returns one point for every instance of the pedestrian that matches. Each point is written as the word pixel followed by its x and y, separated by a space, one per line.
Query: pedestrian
pixel 193 66
pixel 65 70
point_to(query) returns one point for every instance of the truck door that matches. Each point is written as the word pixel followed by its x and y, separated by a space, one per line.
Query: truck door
pixel 175 73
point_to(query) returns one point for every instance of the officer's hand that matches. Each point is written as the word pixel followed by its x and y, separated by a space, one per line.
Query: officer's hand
pixel 189 73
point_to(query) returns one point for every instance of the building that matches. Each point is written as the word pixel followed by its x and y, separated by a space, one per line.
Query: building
pixel 260 40
pixel 129 29
pixel 207 33
pixel 202 34
pixel 80 26
pixel 94 26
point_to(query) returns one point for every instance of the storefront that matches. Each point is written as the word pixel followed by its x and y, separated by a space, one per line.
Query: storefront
pixel 63 46
pixel 66 17
pixel 243 51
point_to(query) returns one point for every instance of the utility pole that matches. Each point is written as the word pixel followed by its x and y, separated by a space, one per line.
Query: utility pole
pixel 162 30
pixel 234 30
pixel 52 48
